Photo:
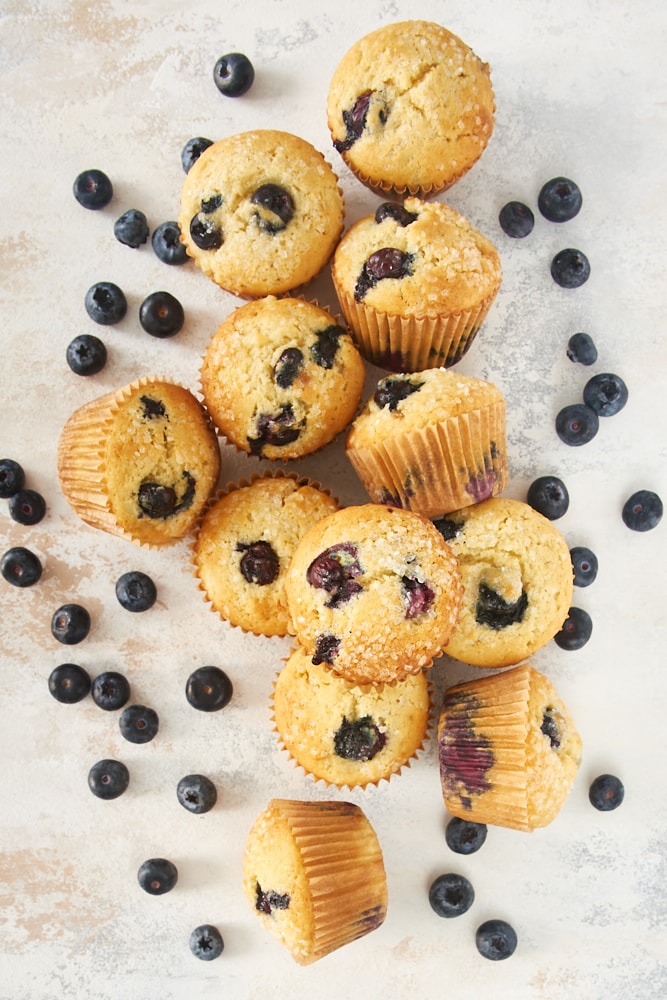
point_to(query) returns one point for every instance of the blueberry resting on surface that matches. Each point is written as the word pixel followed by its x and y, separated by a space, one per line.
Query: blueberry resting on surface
pixel 105 303
pixel 358 740
pixel 570 268
pixel 606 393
pixel 70 624
pixel 110 690
pixel 642 511
pixel 161 315
pixel 157 876
pixel 196 793
pixel 326 648
pixel 277 429
pixel 192 150
pixel 107 779
pixel 580 347
pixel 86 354
pixel 20 567
pixel 270 900
pixel 559 199
pixel 326 346
pixel 259 563
pixel 287 367
pixel 131 228
pixel 278 203
pixel 387 262
pixel 496 940
pixel 417 596
pixel 606 792
pixel 208 689
pixel 577 424
pixel 166 242
pixel 136 591
pixel 399 213
pixel 93 189
pixel 451 895
pixel 548 495
pixel 335 571
pixel 69 683
pixel 576 630
pixel 584 565
pixel 463 836
pixel 138 724
pixel 206 942
pixel 233 74
pixel 354 119
pixel 12 477
pixel 393 390
pixel 496 613
pixel 27 506
pixel 516 219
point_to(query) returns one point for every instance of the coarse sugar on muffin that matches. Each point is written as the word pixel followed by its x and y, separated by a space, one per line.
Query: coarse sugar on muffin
pixel 297 377
pixel 314 875
pixel 415 282
pixel 517 581
pixel 140 462
pixel 343 734
pixel 261 212
pixel 244 544
pixel 432 442
pixel 373 592
pixel 508 749
pixel 410 108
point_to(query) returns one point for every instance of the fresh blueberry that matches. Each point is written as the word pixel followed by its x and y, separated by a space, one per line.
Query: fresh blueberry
pixel 463 836
pixel 642 511
pixel 606 792
pixel 107 779
pixel 131 229
pixel 93 189
pixel 451 895
pixel 208 689
pixel 206 942
pixel 196 793
pixel 136 591
pixel 559 199
pixel 138 724
pixel 12 477
pixel 27 506
pixel 70 624
pixel 110 690
pixel 570 268
pixel 584 565
pixel 516 219
pixel 548 495
pixel 161 315
pixel 86 354
pixel 576 630
pixel 20 567
pixel 606 393
pixel 580 347
pixel 69 683
pixel 233 74
pixel 166 242
pixel 577 424
pixel 495 940
pixel 105 303
pixel 157 876
pixel 192 150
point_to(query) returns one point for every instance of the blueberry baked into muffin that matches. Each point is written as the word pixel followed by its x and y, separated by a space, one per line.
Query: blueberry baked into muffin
pixel 298 378
pixel 140 462
pixel 410 108
pixel 415 282
pixel 260 212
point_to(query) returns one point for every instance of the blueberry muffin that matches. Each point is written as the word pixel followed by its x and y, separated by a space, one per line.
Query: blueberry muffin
pixel 261 212
pixel 415 282
pixel 373 592
pixel 410 108
pixel 314 875
pixel 508 750
pixel 431 442
pixel 345 735
pixel 298 378
pixel 140 462
pixel 517 581
pixel 244 544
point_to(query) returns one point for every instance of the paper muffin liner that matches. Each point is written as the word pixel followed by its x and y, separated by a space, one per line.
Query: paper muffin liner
pixel 374 776
pixel 276 473
pixel 344 870
pixel 81 459
pixel 438 469
pixel 412 343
